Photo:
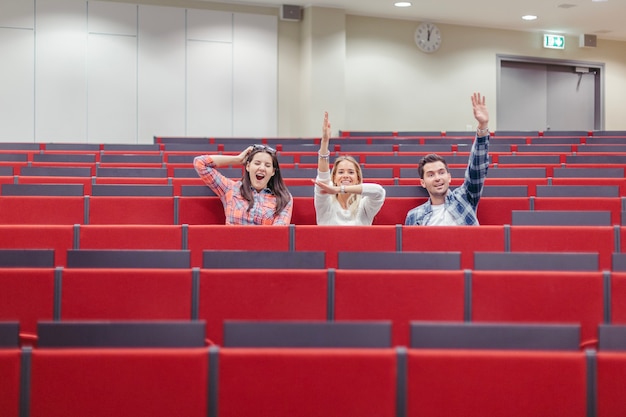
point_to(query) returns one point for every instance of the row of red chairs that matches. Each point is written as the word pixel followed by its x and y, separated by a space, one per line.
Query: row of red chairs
pixel 603 240
pixel 585 298
pixel 178 183
pixel 378 169
pixel 229 382
pixel 209 210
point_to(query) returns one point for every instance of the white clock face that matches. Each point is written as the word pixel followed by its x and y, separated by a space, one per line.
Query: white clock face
pixel 428 37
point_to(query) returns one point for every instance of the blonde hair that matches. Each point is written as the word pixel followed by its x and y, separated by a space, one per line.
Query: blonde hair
pixel 354 199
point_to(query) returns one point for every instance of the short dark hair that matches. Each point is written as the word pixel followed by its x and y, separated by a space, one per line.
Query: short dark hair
pixel 431 157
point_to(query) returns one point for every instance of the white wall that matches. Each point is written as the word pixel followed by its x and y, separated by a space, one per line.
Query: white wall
pixel 383 81
pixel 119 72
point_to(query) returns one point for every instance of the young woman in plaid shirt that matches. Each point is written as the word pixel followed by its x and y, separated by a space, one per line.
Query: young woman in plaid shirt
pixel 259 197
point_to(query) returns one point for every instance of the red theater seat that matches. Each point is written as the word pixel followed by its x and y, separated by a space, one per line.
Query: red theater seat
pixel 42 210
pixel 466 240
pixel 611 368
pixel 85 181
pixel 26 295
pixel 245 294
pixel 10 382
pixel 200 210
pixel 335 239
pixel 395 209
pixel 303 211
pixel 130 236
pixel 220 237
pixel 399 296
pixel 119 382
pixel 621 182
pixel 307 382
pixel 618 297
pixel 131 210
pixel 565 239
pixel 57 237
pixel 612 204
pixel 497 210
pixel 480 383
pixel 545 297
pixel 126 294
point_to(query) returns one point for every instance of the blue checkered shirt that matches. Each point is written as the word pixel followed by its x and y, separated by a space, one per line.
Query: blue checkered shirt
pixel 461 202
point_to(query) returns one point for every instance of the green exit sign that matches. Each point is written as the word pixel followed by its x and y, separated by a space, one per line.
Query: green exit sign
pixel 554 41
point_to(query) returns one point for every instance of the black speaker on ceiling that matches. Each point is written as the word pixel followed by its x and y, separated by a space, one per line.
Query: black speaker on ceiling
pixel 290 12
pixel 588 41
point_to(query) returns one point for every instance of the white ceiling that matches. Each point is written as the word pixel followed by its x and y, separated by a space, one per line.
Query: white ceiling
pixel 605 19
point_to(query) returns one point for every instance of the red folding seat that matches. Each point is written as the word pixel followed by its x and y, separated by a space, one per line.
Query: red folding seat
pixel 477 383
pixel 611 368
pixel 612 204
pixel 497 210
pixel 42 210
pixel 123 382
pixel 57 237
pixel 540 297
pixel 335 239
pixel 618 297
pixel 245 294
pixel 222 237
pixel 131 210
pixel 10 361
pixel 126 294
pixel 304 382
pixel 27 296
pixel 466 240
pixel 130 236
pixel 200 210
pixel 399 296
pixel 600 239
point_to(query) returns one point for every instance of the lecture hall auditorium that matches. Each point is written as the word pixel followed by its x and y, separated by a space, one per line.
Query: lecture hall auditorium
pixel 123 293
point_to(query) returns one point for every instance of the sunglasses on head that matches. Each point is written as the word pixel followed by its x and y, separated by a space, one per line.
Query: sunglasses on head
pixel 263 148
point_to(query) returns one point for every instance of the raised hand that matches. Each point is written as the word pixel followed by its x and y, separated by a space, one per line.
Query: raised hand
pixel 326 131
pixel 481 114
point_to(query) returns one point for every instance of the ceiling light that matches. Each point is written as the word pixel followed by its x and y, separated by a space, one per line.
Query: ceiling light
pixel 402 4
pixel 529 17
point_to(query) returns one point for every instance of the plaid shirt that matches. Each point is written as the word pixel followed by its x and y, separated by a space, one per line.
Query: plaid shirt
pixel 461 202
pixel 235 206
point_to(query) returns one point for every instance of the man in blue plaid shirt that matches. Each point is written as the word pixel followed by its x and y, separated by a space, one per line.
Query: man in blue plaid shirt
pixel 454 207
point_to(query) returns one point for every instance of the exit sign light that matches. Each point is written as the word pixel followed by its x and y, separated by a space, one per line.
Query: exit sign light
pixel 554 41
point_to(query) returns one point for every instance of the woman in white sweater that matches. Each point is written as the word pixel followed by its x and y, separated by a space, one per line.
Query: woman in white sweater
pixel 341 197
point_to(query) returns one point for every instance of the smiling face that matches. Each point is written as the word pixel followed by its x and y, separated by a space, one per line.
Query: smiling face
pixel 346 172
pixel 436 180
pixel 260 169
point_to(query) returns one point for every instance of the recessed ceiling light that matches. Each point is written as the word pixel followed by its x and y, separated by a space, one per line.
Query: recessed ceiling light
pixel 402 4
pixel 529 17
pixel 597 1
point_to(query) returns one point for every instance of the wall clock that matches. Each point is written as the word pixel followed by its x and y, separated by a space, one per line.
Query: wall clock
pixel 428 37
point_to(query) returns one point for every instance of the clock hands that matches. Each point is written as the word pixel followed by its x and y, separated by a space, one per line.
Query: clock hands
pixel 427 37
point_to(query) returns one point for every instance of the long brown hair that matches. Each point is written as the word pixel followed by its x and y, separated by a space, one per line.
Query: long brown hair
pixel 275 184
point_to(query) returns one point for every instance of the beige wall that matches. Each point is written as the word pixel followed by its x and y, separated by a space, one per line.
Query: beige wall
pixel 376 78
pixel 393 86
